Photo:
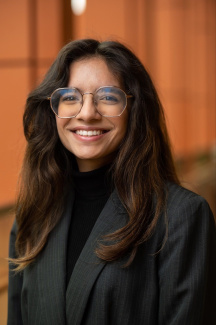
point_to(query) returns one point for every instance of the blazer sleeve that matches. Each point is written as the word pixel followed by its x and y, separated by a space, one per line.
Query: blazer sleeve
pixel 187 265
pixel 15 285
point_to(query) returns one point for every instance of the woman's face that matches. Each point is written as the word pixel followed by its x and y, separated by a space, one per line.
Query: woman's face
pixel 92 152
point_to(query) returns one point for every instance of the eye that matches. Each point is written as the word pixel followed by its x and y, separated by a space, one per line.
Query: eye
pixel 70 99
pixel 109 99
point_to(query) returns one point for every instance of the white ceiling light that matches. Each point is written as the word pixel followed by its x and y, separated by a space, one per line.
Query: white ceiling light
pixel 78 6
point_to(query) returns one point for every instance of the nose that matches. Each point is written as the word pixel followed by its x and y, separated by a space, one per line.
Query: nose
pixel 88 110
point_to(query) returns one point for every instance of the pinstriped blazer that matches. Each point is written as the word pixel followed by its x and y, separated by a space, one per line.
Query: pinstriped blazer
pixel 177 286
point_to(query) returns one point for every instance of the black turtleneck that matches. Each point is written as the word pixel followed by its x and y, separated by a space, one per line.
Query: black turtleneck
pixel 92 190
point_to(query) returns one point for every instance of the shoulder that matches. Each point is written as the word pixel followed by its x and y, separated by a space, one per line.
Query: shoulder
pixel 188 213
pixel 186 201
pixel 190 229
pixel 177 193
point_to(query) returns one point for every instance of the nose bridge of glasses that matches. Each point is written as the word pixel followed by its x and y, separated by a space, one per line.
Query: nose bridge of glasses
pixel 88 107
pixel 88 93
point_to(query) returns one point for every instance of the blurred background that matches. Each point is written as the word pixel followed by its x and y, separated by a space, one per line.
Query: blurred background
pixel 174 39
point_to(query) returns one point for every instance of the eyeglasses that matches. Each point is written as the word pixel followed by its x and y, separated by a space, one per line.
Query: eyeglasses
pixel 109 101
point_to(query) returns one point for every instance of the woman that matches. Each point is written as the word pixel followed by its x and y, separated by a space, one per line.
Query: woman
pixel 104 233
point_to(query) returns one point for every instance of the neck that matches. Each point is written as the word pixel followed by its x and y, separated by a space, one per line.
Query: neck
pixel 87 165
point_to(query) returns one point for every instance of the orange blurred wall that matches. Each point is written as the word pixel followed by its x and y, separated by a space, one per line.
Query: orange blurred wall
pixel 30 38
pixel 174 39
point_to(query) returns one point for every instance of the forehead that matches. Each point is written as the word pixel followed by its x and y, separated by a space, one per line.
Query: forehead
pixel 91 73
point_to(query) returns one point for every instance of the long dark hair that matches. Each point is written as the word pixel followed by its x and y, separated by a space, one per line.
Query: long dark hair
pixel 141 170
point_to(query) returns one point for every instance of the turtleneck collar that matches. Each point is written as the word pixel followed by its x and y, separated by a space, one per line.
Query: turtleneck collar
pixel 92 184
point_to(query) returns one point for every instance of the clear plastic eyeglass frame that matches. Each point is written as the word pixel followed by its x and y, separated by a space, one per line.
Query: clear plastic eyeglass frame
pixel 88 93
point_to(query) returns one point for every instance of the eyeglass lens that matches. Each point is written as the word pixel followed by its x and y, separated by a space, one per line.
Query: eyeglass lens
pixel 109 101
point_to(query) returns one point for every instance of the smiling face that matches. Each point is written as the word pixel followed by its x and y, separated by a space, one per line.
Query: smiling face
pixel 92 138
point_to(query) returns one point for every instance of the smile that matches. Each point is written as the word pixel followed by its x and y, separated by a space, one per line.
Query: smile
pixel 89 133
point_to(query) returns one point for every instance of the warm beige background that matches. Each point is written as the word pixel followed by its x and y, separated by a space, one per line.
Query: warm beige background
pixel 175 39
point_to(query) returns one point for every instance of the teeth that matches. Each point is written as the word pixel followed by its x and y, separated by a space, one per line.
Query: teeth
pixel 88 133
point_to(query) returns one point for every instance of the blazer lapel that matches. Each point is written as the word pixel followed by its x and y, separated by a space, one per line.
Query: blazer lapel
pixel 89 266
pixel 51 271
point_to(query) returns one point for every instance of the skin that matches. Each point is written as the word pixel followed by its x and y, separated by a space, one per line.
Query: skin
pixel 92 152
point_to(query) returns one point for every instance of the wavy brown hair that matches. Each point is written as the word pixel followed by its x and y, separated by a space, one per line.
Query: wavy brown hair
pixel 141 170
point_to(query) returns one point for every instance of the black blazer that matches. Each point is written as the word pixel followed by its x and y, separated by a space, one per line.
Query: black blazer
pixel 176 286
